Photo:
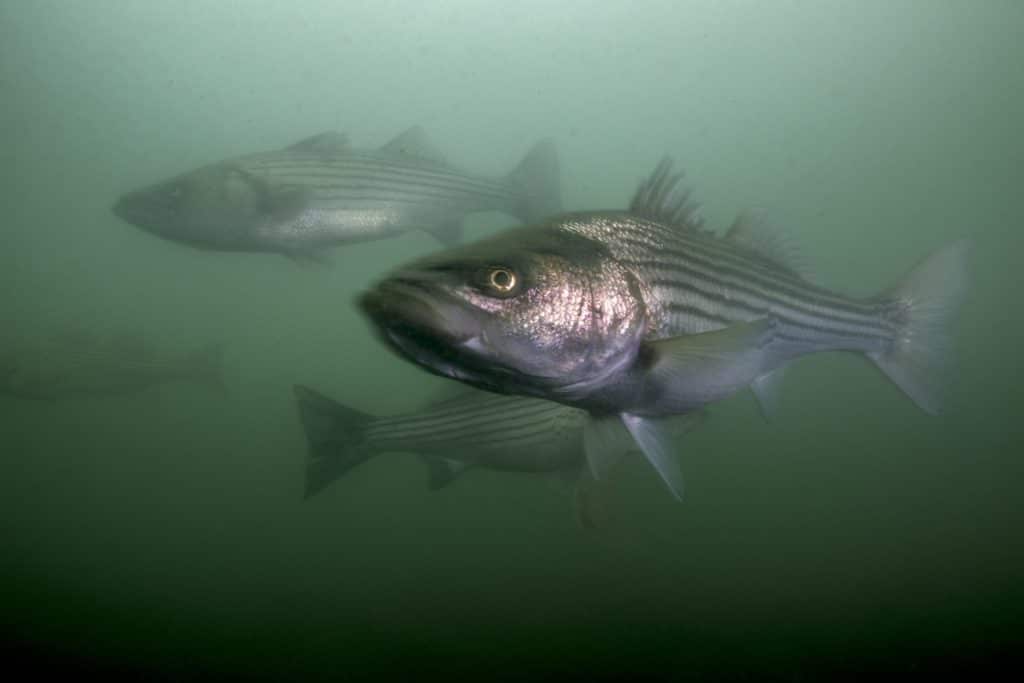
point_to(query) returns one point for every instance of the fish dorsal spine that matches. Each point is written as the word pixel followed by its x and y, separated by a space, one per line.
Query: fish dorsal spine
pixel 662 199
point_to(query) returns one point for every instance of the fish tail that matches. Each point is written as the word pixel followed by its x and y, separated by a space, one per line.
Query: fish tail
pixel 207 365
pixel 536 180
pixel 335 434
pixel 924 304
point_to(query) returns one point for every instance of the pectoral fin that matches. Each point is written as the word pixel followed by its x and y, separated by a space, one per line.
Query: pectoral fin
pixel 687 372
pixel 656 445
pixel 766 390
pixel 607 439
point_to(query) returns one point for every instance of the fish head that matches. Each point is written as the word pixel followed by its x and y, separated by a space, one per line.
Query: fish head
pixel 534 311
pixel 214 207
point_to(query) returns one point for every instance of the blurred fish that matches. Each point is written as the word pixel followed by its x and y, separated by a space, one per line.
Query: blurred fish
pixel 321 192
pixel 76 365
pixel 638 315
pixel 475 429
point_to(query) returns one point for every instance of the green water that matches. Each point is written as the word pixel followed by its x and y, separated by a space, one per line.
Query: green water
pixel 165 534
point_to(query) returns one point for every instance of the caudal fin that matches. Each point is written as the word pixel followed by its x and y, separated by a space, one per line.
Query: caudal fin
pixel 335 436
pixel 537 181
pixel 207 365
pixel 924 304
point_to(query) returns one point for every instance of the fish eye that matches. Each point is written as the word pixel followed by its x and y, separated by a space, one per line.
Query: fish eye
pixel 500 281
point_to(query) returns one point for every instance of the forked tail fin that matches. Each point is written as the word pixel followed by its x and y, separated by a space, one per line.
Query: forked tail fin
pixel 537 180
pixel 335 436
pixel 924 304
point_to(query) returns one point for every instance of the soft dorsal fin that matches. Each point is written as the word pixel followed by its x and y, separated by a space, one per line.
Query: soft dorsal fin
pixel 413 144
pixel 661 198
pixel 327 143
pixel 753 230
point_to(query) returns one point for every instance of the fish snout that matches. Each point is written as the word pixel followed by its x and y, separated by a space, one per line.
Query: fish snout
pixel 119 207
pixel 132 207
pixel 409 308
pixel 147 208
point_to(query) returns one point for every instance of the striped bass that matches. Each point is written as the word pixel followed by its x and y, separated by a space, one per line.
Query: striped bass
pixel 473 430
pixel 321 192
pixel 70 366
pixel 637 315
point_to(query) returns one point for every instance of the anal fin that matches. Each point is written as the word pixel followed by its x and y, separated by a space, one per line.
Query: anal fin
pixel 766 389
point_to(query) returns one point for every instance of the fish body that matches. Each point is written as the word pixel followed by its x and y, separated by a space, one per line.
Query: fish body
pixel 321 192
pixel 62 368
pixel 635 316
pixel 473 430
pixel 476 429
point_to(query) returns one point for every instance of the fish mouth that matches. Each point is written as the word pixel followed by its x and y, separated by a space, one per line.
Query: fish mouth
pixel 406 307
pixel 132 209
pixel 141 208
pixel 430 328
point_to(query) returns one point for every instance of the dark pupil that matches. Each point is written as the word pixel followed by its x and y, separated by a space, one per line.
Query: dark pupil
pixel 502 279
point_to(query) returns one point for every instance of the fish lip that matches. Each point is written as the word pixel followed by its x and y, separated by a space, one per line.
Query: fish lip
pixel 133 208
pixel 411 310
pixel 120 208
pixel 141 208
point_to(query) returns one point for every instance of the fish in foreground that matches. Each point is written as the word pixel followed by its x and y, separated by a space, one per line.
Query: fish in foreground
pixel 77 365
pixel 473 430
pixel 635 316
pixel 321 192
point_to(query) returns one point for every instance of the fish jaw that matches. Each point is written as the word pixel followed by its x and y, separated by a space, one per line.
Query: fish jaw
pixel 425 327
pixel 143 209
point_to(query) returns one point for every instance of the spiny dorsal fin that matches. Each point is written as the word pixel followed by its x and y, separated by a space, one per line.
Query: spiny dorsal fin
pixel 413 144
pixel 753 230
pixel 327 143
pixel 661 198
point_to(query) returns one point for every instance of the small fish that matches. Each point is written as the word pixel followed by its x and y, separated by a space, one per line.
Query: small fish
pixel 473 430
pixel 638 315
pixel 321 192
pixel 70 366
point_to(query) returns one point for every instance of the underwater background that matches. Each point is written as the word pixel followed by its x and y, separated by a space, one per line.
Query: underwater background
pixel 165 534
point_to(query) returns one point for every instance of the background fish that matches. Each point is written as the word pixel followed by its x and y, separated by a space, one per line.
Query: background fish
pixel 321 192
pixel 480 429
pixel 474 429
pixel 639 315
pixel 76 365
